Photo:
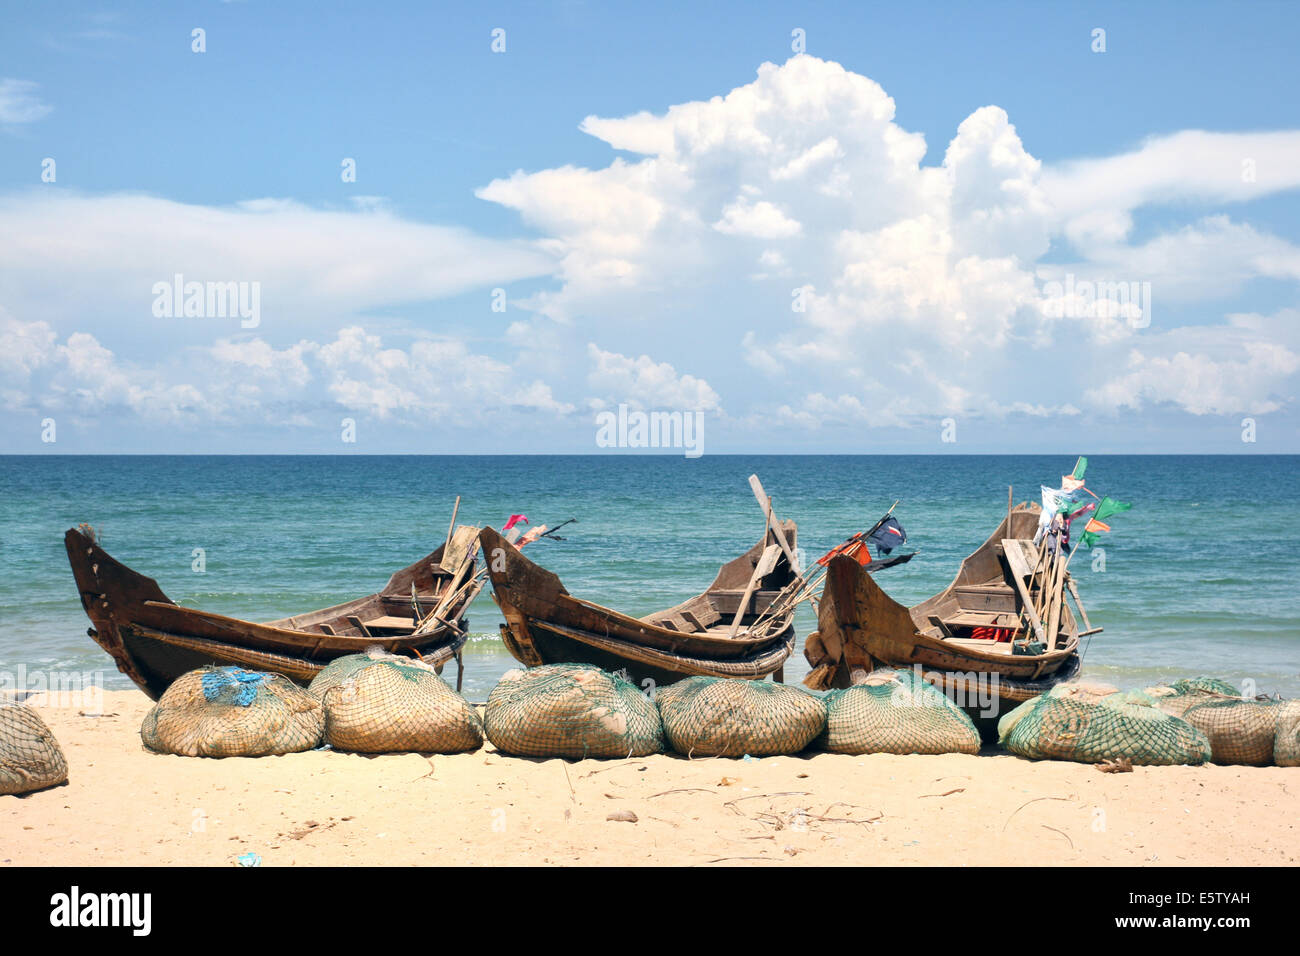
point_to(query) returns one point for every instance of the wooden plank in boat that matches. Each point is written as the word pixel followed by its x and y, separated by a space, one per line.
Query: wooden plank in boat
pixel 985 597
pixel 980 619
pixel 390 622
pixel 726 602
pixel 767 562
pixel 988 647
pixel 453 556
pixel 1014 551
pixel 694 622
pixel 705 613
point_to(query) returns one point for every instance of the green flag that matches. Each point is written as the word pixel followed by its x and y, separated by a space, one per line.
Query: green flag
pixel 1105 508
pixel 1109 506
pixel 1088 539
pixel 1080 467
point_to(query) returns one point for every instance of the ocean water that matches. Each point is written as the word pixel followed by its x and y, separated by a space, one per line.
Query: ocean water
pixel 1199 578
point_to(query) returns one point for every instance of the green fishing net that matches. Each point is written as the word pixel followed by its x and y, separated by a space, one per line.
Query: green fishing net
pixel 232 712
pixel 381 703
pixel 1240 730
pixel 30 757
pixel 571 710
pixel 896 712
pixel 1212 685
pixel 721 717
pixel 1074 722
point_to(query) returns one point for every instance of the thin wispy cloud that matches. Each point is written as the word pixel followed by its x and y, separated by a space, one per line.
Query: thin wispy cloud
pixel 20 102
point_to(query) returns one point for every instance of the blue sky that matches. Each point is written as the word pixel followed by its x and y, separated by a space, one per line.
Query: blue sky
pixel 660 279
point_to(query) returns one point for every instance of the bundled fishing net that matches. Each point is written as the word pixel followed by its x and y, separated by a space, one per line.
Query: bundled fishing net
pixel 30 757
pixel 381 703
pixel 571 710
pixel 1286 741
pixel 1211 685
pixel 896 712
pixel 1085 724
pixel 721 717
pixel 232 712
pixel 1240 730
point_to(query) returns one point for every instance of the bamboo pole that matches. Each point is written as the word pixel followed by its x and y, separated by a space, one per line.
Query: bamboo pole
pixel 1054 601
pixel 1078 603
pixel 433 617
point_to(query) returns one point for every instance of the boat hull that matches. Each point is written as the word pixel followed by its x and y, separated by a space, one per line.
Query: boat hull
pixel 153 640
pixel 555 645
pixel 544 624
pixel 986 697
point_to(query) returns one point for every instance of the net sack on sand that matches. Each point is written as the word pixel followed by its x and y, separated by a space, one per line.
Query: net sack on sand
pixel 1212 685
pixel 232 712
pixel 896 712
pixel 1240 730
pixel 381 703
pixel 1072 723
pixel 1286 741
pixel 730 717
pixel 30 757
pixel 571 710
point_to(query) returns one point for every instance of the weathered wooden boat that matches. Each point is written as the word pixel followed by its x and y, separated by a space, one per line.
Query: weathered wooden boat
pixel 154 640
pixel 704 635
pixel 860 627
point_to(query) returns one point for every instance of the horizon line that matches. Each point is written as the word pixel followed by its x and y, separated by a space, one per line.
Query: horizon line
pixel 637 455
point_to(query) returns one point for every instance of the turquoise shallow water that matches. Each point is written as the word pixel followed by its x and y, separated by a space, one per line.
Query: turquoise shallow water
pixel 1200 577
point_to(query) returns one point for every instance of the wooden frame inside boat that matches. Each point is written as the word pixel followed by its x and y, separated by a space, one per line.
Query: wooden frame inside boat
pixel 153 640
pixel 547 625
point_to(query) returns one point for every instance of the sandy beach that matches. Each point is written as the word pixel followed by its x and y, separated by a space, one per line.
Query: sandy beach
pixel 125 806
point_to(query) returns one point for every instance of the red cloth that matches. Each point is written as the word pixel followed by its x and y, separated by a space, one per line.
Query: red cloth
pixel 854 548
pixel 1001 634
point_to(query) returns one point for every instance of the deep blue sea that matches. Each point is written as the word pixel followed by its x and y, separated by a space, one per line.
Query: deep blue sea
pixel 1199 578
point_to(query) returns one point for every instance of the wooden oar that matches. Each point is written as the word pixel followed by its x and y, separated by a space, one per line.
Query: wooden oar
pixel 766 564
pixel 1017 565
pixel 758 572
pixel 765 503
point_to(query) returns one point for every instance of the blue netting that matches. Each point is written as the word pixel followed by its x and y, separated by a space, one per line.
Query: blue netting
pixel 235 684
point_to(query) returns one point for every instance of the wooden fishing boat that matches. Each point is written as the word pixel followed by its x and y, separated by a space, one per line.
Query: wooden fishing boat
pixel 996 591
pixel 154 640
pixel 703 635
